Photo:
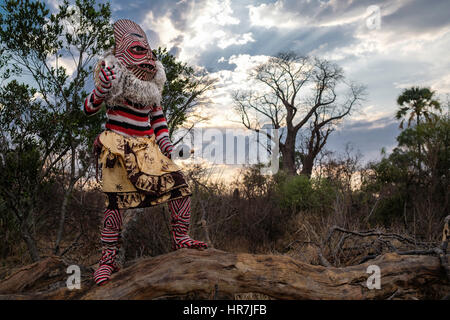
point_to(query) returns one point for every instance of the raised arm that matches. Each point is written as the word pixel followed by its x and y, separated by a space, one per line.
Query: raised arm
pixel 93 101
pixel 159 126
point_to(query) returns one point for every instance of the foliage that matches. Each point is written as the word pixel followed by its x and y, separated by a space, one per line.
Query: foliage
pixel 419 102
pixel 46 64
pixel 300 193
pixel 402 186
pixel 43 125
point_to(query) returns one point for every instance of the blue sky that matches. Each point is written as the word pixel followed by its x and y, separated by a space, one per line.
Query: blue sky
pixel 408 47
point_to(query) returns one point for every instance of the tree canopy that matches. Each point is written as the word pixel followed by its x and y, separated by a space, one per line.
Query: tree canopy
pixel 303 96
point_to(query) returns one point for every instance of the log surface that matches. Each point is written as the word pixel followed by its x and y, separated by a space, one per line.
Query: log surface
pixel 214 273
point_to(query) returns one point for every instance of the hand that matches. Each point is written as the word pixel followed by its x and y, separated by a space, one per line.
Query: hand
pixel 106 75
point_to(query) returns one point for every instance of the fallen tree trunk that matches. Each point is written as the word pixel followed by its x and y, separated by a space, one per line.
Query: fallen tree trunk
pixel 214 273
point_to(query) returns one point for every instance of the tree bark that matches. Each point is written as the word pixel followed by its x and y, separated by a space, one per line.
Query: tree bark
pixel 30 242
pixel 288 151
pixel 62 219
pixel 203 272
pixel 67 195
pixel 307 165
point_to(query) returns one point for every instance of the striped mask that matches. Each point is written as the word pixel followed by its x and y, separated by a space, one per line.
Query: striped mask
pixel 133 50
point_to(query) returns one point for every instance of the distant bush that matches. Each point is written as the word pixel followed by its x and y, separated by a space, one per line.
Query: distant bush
pixel 300 193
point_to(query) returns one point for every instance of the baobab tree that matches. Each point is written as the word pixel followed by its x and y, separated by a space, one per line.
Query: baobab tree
pixel 306 97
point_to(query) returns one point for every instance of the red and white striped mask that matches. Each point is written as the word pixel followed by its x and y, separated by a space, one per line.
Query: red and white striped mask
pixel 133 49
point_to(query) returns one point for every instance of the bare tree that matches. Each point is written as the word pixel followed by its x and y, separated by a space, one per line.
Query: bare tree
pixel 300 95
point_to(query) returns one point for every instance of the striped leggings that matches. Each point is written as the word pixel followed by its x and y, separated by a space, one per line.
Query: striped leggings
pixel 180 210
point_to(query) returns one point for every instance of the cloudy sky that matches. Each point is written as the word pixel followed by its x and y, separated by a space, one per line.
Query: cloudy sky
pixel 408 45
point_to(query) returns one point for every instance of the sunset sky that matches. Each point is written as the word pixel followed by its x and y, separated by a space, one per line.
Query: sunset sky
pixel 410 46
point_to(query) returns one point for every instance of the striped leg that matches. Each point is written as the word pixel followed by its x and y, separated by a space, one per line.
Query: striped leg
pixel 107 265
pixel 180 217
pixel 110 235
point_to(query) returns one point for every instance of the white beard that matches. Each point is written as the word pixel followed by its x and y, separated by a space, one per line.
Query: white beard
pixel 127 86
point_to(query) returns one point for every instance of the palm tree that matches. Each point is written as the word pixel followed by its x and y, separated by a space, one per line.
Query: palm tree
pixel 419 103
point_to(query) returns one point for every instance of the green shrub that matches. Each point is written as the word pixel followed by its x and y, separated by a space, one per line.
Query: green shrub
pixel 299 193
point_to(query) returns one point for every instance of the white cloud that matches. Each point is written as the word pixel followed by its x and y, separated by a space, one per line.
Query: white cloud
pixel 227 40
pixel 386 59
pixel 323 14
pixel 66 62
pixel 221 113
pixel 359 15
pixel 274 15
pixel 54 4
pixel 442 85
pixel 163 26
pixel 207 26
pixel 37 96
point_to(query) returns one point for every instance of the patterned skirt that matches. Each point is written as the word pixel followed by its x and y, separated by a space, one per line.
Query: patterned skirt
pixel 135 174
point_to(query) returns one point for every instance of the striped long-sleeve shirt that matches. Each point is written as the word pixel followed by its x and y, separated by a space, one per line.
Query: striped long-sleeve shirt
pixel 128 120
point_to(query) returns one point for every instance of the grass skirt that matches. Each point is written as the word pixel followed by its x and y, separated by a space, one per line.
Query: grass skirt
pixel 135 173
